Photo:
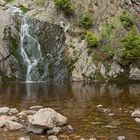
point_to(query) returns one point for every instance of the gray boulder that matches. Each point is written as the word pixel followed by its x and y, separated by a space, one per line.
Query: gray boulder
pixel 47 118
pixel 4 110
pixel 33 129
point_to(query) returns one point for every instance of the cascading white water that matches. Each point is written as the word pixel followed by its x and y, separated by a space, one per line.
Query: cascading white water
pixel 30 52
pixel 29 48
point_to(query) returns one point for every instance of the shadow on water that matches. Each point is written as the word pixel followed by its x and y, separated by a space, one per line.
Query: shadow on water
pixel 78 102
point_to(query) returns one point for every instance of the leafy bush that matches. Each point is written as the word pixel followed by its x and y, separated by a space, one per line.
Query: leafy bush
pixel 131 44
pixel 86 20
pixel 103 54
pixel 92 39
pixel 107 30
pixel 65 5
pixel 127 19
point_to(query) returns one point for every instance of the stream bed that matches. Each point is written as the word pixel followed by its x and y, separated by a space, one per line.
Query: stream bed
pixel 101 111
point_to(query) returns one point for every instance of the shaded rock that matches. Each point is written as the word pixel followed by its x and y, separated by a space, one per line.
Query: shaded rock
pixel 13 125
pixel 4 119
pixel 36 108
pixel 54 130
pixel 4 110
pixel 115 70
pixel 136 113
pixel 47 118
pixel 137 120
pixel 52 137
pixel 134 73
pixel 121 138
pixel 103 110
pixel 13 111
pixel 32 129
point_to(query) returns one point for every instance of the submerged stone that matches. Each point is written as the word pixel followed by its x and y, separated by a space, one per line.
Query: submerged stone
pixel 52 137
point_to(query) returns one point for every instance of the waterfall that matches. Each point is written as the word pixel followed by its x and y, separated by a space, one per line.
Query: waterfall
pixel 30 49
pixel 40 48
pixel 30 52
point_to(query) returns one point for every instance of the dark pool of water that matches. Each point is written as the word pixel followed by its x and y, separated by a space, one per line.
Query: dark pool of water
pixel 78 101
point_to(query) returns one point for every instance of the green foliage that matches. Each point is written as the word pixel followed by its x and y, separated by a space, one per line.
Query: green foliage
pixel 40 2
pixel 71 45
pixel 127 19
pixel 65 5
pixel 131 44
pixel 23 8
pixel 107 30
pixel 95 56
pixel 103 54
pixel 86 20
pixel 9 0
pixel 92 39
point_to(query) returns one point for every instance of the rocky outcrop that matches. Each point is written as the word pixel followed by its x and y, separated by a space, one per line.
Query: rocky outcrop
pixel 51 39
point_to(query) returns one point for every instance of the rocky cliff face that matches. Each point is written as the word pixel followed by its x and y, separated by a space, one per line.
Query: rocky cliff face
pixel 84 63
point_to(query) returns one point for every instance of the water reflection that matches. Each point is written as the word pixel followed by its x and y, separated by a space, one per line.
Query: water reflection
pixel 80 92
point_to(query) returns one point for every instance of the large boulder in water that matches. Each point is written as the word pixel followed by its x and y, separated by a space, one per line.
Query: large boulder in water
pixel 47 118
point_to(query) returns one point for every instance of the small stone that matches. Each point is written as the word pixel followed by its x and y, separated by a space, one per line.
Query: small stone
pixel 29 112
pixel 70 128
pixel 121 138
pixel 36 108
pixel 97 123
pixel 13 125
pixel 4 110
pixel 111 114
pixel 103 110
pixel 54 130
pixel 137 120
pixel 13 111
pixel 52 137
pixel 99 106
pixel 92 139
pixel 136 113
pixel 24 138
pixel 65 137
pixel 4 119
pixel 110 126
pixel 33 129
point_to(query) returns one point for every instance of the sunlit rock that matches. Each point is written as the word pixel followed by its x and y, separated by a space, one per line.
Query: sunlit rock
pixel 136 113
pixel 4 110
pixel 47 118
pixel 11 125
pixel 4 119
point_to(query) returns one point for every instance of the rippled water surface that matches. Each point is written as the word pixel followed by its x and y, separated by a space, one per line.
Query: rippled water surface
pixel 78 101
